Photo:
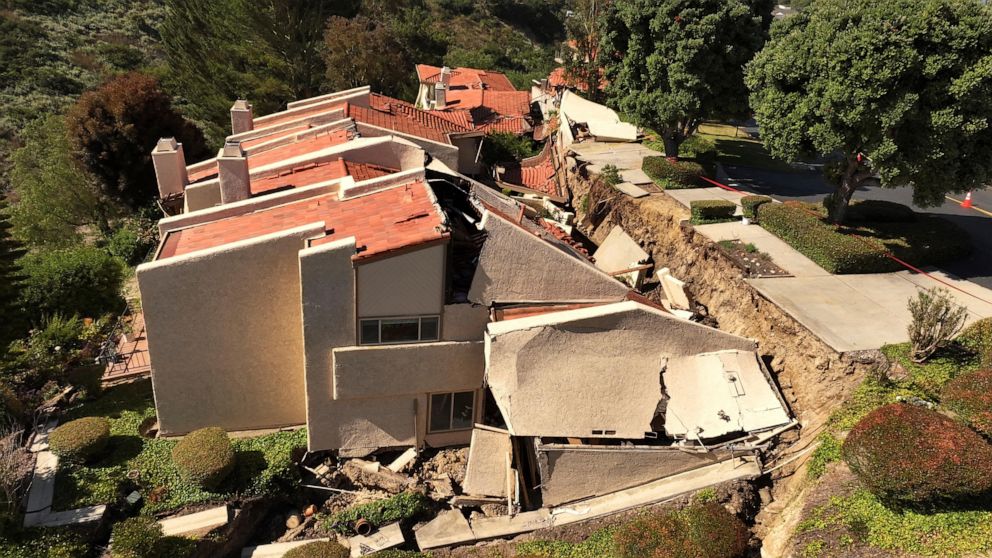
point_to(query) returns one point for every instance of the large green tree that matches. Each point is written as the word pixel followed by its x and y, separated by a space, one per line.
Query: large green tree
pixel 114 129
pixel 899 89
pixel 267 51
pixel 55 197
pixel 11 326
pixel 582 67
pixel 673 63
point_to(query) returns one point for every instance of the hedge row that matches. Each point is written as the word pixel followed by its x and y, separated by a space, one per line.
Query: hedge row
pixel 712 211
pixel 909 455
pixel 821 242
pixel 750 205
pixel 673 174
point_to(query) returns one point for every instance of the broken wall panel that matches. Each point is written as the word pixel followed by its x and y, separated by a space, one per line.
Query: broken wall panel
pixel 570 473
pixel 590 372
pixel 720 393
pixel 488 455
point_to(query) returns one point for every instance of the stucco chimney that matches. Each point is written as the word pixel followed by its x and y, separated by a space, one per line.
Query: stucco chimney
pixel 232 170
pixel 446 76
pixel 241 117
pixel 170 167
pixel 440 95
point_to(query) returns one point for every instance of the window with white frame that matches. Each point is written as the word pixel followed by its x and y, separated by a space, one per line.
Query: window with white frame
pixel 411 329
pixel 451 411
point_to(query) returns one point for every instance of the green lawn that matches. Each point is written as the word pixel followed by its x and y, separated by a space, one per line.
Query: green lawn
pixel 264 463
pixel 733 148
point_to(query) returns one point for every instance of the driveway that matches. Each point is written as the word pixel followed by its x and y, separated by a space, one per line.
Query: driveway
pixel 809 186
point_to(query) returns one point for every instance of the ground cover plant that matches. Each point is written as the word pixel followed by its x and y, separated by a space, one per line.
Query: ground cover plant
pixel 970 397
pixel 263 464
pixel 700 530
pixel 406 505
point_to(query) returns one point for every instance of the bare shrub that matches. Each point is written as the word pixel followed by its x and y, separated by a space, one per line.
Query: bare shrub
pixel 936 319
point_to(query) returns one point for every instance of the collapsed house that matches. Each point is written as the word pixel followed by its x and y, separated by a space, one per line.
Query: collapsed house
pixel 334 267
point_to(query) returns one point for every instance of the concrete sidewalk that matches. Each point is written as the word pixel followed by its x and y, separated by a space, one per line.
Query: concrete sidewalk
pixel 848 312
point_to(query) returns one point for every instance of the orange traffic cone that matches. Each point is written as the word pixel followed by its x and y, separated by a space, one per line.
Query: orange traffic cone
pixel 967 201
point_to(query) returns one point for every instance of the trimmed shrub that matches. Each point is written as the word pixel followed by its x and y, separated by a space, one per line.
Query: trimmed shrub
pixel 137 537
pixel 978 338
pixel 319 549
pixel 912 456
pixel 204 457
pixel 821 242
pixel 880 211
pixel 698 531
pixel 712 211
pixel 672 174
pixel 970 396
pixel 81 439
pixel 380 512
pixel 750 205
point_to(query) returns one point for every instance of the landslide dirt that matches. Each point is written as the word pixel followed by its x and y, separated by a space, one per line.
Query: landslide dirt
pixel 814 378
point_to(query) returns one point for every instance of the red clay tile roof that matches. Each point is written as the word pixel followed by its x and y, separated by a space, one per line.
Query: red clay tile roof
pixel 466 76
pixel 380 222
pixel 275 135
pixel 400 116
pixel 535 173
pixel 364 171
pixel 314 110
pixel 300 176
pixel 557 78
pixel 561 235
pixel 281 153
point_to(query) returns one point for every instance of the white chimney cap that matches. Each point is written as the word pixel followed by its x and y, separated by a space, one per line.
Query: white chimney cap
pixel 440 85
pixel 241 104
pixel 166 144
pixel 232 149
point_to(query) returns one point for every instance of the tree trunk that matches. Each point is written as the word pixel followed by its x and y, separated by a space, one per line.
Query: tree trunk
pixel 672 144
pixel 841 199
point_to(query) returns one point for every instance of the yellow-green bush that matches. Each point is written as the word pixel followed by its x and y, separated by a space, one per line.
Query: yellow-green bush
pixel 673 174
pixel 978 337
pixel 204 457
pixel 319 549
pixel 81 439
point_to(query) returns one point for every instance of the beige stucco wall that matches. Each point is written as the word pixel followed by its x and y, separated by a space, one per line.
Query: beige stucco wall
pixel 569 474
pixel 224 336
pixel 353 425
pixel 201 196
pixel 464 322
pixel 516 266
pixel 489 457
pixel 449 154
pixel 391 370
pixel 569 373
pixel 409 284
pixel 468 148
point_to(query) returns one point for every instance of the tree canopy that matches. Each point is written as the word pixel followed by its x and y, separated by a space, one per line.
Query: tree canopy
pixel 11 326
pixel 114 129
pixel 674 63
pixel 899 88
pixel 55 196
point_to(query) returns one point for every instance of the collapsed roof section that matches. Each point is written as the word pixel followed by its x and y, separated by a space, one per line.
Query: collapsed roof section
pixel 643 358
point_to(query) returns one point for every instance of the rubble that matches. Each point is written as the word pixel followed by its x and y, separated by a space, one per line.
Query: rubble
pixel 371 474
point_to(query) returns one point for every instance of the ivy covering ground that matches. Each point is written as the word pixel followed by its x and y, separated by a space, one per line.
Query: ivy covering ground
pixel 263 464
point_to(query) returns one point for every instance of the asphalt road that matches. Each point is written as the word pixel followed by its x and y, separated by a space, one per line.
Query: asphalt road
pixel 809 186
